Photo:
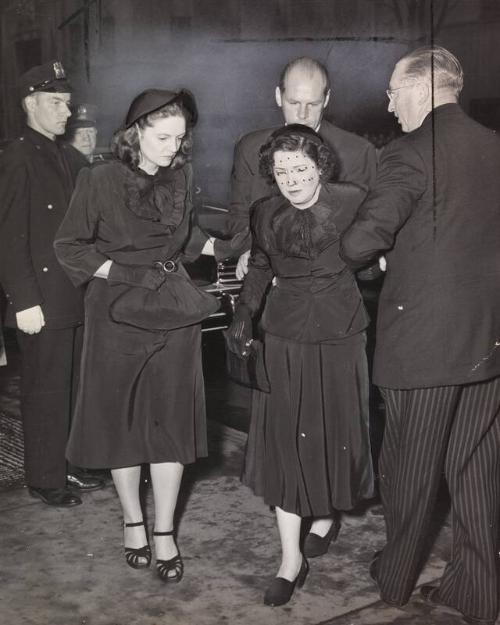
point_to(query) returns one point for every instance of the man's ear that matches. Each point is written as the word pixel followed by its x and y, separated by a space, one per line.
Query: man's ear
pixel 29 103
pixel 424 91
pixel 277 95
pixel 327 99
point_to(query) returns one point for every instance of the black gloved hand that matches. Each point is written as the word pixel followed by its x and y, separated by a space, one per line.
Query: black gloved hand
pixel 147 277
pixel 239 335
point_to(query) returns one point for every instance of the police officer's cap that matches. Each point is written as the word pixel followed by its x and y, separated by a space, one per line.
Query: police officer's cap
pixel 84 116
pixel 153 99
pixel 49 77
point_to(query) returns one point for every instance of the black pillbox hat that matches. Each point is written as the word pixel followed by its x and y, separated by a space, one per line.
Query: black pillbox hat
pixel 153 99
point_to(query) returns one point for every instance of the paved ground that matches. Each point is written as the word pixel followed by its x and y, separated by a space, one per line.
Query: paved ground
pixel 66 567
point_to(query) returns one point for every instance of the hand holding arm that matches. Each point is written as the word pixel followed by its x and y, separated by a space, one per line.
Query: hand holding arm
pixel 401 182
pixel 242 266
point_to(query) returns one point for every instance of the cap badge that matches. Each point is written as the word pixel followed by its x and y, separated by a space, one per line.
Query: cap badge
pixel 59 70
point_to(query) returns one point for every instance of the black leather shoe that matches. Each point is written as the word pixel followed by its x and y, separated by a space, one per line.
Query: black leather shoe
pixel 315 545
pixel 58 497
pixel 430 594
pixel 281 590
pixel 84 482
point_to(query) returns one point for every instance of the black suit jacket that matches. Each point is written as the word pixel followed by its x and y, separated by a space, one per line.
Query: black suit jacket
pixel 358 164
pixel 435 209
pixel 37 177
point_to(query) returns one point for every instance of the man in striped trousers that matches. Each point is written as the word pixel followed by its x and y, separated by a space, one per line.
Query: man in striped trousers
pixel 435 212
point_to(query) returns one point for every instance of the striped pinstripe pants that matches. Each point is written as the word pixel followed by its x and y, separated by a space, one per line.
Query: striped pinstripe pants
pixel 455 429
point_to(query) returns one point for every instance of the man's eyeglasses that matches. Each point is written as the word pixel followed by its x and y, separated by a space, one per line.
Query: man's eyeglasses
pixel 392 92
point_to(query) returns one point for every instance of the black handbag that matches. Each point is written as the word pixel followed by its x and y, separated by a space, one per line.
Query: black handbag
pixel 176 304
pixel 249 370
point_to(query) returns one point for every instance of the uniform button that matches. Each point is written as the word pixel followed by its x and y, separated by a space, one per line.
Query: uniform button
pixel 400 308
pixel 302 434
pixel 50 207
pixel 45 269
pixel 21 138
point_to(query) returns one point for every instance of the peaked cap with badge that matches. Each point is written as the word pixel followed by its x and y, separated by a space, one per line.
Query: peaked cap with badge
pixel 49 77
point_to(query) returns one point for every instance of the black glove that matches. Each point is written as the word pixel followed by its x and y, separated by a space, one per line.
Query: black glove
pixel 147 277
pixel 239 335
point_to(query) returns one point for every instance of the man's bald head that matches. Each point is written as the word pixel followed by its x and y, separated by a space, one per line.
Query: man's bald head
pixel 303 92
pixel 308 68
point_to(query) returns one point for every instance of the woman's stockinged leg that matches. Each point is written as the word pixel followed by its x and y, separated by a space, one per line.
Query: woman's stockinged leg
pixel 321 525
pixel 127 482
pixel 166 480
pixel 289 531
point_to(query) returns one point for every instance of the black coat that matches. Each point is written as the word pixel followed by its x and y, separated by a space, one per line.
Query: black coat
pixel 315 297
pixel 435 211
pixel 141 396
pixel 37 177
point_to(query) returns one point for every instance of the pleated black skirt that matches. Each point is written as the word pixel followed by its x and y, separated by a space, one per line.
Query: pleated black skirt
pixel 308 448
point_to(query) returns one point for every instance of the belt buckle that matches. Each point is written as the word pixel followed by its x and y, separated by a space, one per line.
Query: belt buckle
pixel 169 266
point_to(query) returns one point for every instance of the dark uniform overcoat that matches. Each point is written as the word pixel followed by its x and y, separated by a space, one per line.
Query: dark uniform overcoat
pixel 37 176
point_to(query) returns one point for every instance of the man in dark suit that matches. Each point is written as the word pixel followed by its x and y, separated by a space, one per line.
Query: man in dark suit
pixel 302 94
pixel 434 210
pixel 37 176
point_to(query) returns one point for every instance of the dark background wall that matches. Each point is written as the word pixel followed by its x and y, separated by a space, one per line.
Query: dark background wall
pixel 230 53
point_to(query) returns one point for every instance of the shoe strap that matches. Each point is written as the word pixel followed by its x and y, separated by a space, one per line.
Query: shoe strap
pixel 134 524
pixel 163 533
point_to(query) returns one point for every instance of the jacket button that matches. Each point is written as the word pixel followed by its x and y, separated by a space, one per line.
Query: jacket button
pixel 400 308
pixel 50 207
pixel 45 269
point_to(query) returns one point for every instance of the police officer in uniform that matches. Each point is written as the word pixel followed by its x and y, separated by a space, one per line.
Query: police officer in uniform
pixel 81 131
pixel 37 176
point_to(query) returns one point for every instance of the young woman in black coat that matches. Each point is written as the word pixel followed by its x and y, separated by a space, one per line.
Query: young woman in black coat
pixel 141 393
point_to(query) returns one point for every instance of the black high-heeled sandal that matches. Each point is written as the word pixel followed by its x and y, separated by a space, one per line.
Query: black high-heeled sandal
pixel 281 590
pixel 134 556
pixel 164 568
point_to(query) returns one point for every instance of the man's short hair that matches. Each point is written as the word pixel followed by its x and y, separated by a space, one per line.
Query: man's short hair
pixel 308 65
pixel 437 64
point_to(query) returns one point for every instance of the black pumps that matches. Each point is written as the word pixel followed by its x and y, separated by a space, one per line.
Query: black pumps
pixel 281 590
pixel 315 545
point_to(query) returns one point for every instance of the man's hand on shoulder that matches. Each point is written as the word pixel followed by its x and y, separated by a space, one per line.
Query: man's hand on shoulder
pixel 242 266
pixel 30 320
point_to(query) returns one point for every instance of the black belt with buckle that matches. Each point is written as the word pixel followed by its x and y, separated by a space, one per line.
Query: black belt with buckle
pixel 169 266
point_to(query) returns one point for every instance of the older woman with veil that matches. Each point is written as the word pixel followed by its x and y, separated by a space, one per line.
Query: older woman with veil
pixel 308 451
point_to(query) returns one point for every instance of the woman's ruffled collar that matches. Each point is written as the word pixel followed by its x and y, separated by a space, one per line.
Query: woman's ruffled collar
pixel 159 198
pixel 308 232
